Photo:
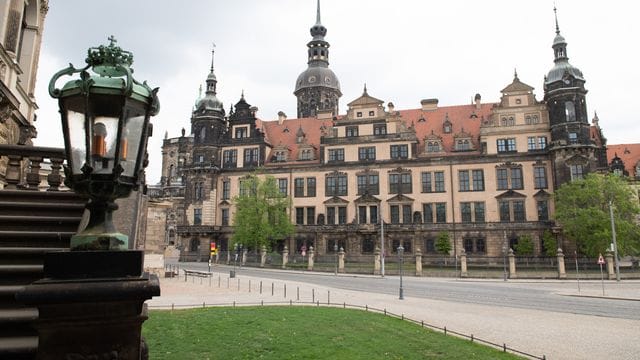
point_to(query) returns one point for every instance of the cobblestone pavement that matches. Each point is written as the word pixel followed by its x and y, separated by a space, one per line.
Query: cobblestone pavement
pixel 555 335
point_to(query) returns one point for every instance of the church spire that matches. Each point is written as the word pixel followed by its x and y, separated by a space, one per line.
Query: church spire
pixel 559 43
pixel 318 14
pixel 212 81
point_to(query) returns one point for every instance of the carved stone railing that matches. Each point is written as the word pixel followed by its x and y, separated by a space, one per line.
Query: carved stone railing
pixel 35 156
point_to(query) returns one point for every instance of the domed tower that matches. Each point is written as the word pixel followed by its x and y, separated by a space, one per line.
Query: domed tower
pixel 573 151
pixel 207 121
pixel 317 88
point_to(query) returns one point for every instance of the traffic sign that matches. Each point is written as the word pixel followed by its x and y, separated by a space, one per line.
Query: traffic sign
pixel 600 260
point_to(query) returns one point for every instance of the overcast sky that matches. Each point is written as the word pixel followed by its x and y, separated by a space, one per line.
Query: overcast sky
pixel 404 50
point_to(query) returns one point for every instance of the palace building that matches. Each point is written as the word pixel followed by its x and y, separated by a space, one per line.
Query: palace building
pixel 483 172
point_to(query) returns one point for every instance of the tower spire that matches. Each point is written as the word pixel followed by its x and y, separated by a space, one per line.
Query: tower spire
pixel 555 13
pixel 318 14
pixel 213 51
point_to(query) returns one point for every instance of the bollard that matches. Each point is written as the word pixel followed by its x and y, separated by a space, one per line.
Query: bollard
pixel 313 295
pixel 260 286
pixel 272 289
pixel 249 285
pixel 318 304
pixel 172 304
pixel 344 305
pixel 298 294
pixel 471 337
pixel 290 302
pixel 261 302
pixel 366 308
pixel 445 330
pixel 234 303
pixel 504 347
pixel 209 281
pixel 328 297
pixel 422 323
pixel 203 305
pixel 228 282
pixel 385 312
pixel 285 291
pixel 238 284
pixel 218 280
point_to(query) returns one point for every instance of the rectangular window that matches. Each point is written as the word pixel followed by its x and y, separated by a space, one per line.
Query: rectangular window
pixel 298 190
pixel 573 138
pixel 540 177
pixel 465 212
pixel 543 210
pixel 311 216
pixel 577 172
pixel 430 245
pixel 511 144
pixel 300 216
pixel 197 216
pixel 480 246
pixel 478 180
pixel 331 215
pixel 368 244
pixel 336 155
pixel 542 142
pixel 372 113
pixel 518 210
pixel 283 186
pixel 342 215
pixel 506 145
pixel 427 213
pixel 359 114
pixel 478 209
pixel 362 214
pixel 406 214
pixel 395 214
pixel 439 181
pixel 250 157
pixel 229 158
pixel 336 185
pixel 502 145
pixel 241 132
pixel 441 212
pixel 463 180
pixel 225 217
pixel 380 129
pixel 468 245
pixel 367 153
pixel 352 131
pixel 516 178
pixel 531 143
pixel 373 214
pixel 311 186
pixel 505 215
pixel 400 184
pixel 399 151
pixel 368 184
pixel 226 190
pixel 426 182
pixel 502 179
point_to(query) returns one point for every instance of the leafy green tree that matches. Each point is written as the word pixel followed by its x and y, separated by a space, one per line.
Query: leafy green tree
pixel 582 209
pixel 524 246
pixel 261 215
pixel 550 244
pixel 443 245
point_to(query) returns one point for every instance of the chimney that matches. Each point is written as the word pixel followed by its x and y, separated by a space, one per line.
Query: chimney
pixel 281 117
pixel 477 100
pixel 429 104
pixel 390 106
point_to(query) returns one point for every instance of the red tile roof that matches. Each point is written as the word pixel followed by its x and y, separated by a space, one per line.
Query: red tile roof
pixel 465 118
pixel 628 153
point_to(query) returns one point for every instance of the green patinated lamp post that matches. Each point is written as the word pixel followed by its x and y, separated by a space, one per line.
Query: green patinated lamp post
pixel 105 121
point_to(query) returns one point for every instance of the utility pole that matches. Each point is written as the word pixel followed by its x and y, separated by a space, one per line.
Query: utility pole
pixel 615 244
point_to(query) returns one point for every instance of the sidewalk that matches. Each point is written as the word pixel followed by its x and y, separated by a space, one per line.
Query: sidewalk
pixel 556 335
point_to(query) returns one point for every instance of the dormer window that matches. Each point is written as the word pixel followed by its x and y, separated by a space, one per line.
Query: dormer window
pixel 380 129
pixel 433 146
pixel 280 156
pixel 463 145
pixel 241 132
pixel 447 128
pixel 508 120
pixel 306 154
pixel 352 131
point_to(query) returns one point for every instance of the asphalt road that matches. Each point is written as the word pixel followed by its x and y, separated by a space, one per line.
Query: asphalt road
pixel 542 295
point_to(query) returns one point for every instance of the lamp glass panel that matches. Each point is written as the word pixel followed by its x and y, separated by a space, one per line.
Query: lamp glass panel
pixel 132 134
pixel 75 122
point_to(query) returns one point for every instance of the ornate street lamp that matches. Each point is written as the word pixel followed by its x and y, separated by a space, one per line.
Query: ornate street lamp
pixel 105 122
pixel 401 262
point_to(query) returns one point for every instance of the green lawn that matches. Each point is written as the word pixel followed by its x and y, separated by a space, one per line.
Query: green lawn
pixel 296 332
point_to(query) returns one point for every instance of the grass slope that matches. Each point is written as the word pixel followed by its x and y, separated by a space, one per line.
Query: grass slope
pixel 294 332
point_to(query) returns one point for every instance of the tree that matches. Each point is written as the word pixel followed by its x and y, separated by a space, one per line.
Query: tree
pixel 524 245
pixel 549 243
pixel 261 215
pixel 582 209
pixel 443 245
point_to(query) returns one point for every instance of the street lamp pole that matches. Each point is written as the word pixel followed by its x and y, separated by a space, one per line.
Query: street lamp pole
pixel 335 250
pixel 401 261
pixel 615 244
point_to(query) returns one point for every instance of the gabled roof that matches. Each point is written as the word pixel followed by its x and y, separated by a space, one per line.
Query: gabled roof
pixel 516 86
pixel 365 99
pixel 628 153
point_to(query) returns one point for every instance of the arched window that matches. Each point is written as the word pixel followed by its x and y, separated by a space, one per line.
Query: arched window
pixel 570 111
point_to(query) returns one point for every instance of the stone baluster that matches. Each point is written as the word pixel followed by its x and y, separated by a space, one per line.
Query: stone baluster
pixel 512 265
pixel 285 257
pixel 33 176
pixel 463 264
pixel 311 254
pixel 341 260
pixel 418 262
pixel 562 272
pixel 12 174
pixel 54 178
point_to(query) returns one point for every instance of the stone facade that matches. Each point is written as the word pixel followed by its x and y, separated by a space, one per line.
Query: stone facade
pixel 21 26
pixel 483 172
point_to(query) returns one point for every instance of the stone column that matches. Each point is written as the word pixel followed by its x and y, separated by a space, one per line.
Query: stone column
pixel 341 260
pixel 418 262
pixel 285 257
pixel 562 273
pixel 609 259
pixel 244 256
pixel 228 256
pixel 512 265
pixel 311 253
pixel 376 261
pixel 463 263
pixel 263 256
